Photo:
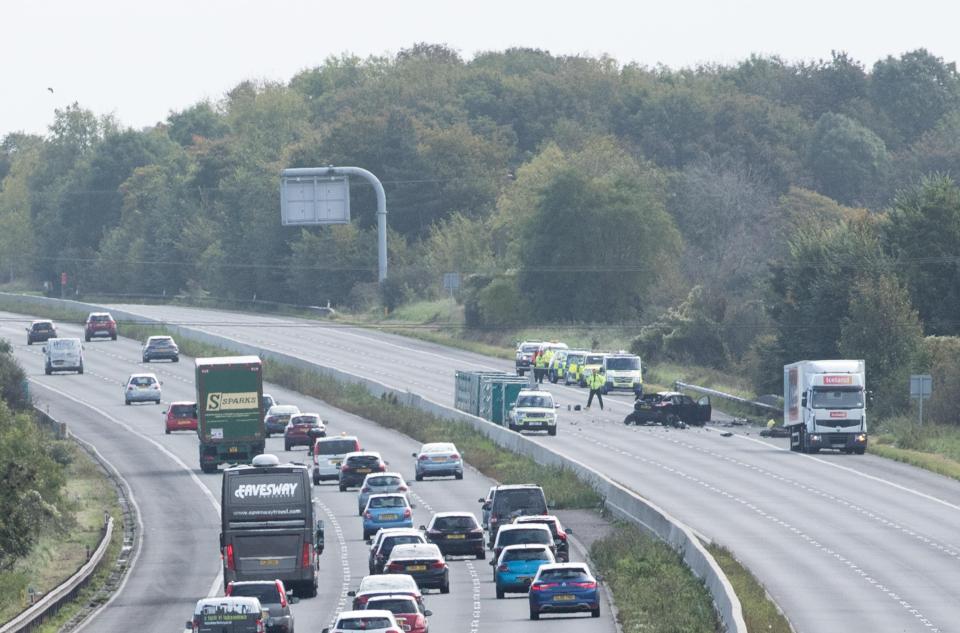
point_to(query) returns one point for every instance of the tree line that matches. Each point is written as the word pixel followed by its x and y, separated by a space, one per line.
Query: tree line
pixel 740 215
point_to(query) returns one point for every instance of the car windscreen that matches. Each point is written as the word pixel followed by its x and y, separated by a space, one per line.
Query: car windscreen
pixel 550 524
pixel 365 461
pixel 99 318
pixel 529 349
pixel 388 502
pixel 267 593
pixel 395 605
pixel 455 523
pixel 509 501
pixel 161 342
pixel 834 398
pixel 519 537
pixel 623 364
pixel 142 381
pixel 183 410
pixel 62 344
pixel 391 541
pixel 305 420
pixel 336 447
pixel 594 360
pixel 363 624
pixel 383 481
pixel 575 358
pixel 539 402
pixel 558 575
pixel 41 327
pixel 526 554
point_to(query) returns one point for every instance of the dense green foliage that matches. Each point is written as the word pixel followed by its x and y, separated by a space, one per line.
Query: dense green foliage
pixel 30 497
pixel 746 215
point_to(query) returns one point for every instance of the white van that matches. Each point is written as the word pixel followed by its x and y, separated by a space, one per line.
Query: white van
pixel 63 354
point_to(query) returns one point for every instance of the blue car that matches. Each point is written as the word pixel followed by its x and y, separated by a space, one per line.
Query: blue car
pixel 386 511
pixel 517 566
pixel 564 588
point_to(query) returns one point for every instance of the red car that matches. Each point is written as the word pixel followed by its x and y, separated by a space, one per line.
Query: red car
pixel 302 430
pixel 100 324
pixel 410 615
pixel 180 416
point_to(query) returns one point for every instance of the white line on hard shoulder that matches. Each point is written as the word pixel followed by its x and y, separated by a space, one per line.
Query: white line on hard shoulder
pixel 854 471
pixel 793 529
pixel 344 560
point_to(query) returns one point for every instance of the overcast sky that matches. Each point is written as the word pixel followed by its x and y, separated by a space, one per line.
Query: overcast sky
pixel 139 59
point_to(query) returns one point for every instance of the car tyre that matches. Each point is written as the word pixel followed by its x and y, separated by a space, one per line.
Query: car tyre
pixel 113 337
pixel 481 555
pixel 534 614
pixel 167 431
pixel 595 613
pixel 286 446
pixel 445 587
pixel 500 593
pixel 157 401
pixel 672 420
pixel 29 342
pixel 343 488
pixel 418 477
pixel 80 369
pixel 458 475
pixel 176 359
pixel 86 338
pixel 126 402
pixel 552 430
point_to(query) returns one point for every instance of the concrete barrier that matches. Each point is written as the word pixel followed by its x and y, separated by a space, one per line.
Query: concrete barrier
pixel 622 502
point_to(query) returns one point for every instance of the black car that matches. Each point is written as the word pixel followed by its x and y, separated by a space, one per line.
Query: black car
pixel 356 466
pixel 423 562
pixel 511 501
pixel 40 331
pixel 670 408
pixel 384 542
pixel 456 533
pixel 161 348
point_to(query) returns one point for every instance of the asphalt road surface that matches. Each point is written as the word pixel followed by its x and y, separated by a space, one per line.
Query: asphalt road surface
pixel 179 559
pixel 841 542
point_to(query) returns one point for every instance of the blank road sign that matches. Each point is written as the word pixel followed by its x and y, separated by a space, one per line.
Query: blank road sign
pixel 308 200
pixel 921 386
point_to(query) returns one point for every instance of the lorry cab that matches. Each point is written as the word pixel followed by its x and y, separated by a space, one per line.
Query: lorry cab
pixel 622 372
pixel 825 405
pixel 63 354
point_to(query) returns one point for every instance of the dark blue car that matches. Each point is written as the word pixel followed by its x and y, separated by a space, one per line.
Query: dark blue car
pixel 564 588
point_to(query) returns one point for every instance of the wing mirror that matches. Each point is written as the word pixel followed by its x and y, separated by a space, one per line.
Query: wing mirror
pixel 413 454
pixel 352 594
pixel 568 530
pixel 492 563
pixel 428 613
pixel 423 527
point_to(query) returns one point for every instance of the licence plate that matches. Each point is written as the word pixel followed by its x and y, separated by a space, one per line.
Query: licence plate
pixel 457 536
pixel 524 579
pixel 233 449
pixel 423 568
pixel 564 597
pixel 335 462
pixel 269 562
pixel 389 517
pixel 438 459
pixel 363 470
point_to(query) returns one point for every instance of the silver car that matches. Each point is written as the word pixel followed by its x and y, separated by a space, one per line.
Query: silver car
pixel 378 483
pixel 438 459
pixel 141 388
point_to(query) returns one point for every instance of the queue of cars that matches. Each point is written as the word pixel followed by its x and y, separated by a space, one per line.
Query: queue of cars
pixel 403 561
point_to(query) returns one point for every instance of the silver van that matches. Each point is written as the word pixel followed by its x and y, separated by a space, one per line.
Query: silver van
pixel 62 354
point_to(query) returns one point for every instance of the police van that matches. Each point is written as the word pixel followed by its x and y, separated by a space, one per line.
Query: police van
pixel 622 371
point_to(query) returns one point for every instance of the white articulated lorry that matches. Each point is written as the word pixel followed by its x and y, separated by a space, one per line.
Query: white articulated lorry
pixel 824 405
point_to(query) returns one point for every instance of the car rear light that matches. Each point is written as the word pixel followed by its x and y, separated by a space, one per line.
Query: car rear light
pixel 454 456
pixel 283 594
pixel 437 564
pixel 365 489
pixel 395 567
pixel 307 555
pixel 477 530
pixel 493 518
pixel 229 557
pixel 424 458
pixel 434 532
pixel 542 586
pixel 229 590
pixel 383 468
pixel 368 516
pixel 407 514
pixel 260 626
pixel 584 585
pixel 502 568
pixel 402 489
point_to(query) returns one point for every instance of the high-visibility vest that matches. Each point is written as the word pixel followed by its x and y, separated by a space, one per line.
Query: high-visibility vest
pixel 541 361
pixel 595 381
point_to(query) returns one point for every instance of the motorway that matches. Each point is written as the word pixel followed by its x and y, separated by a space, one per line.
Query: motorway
pixel 842 543
pixel 179 561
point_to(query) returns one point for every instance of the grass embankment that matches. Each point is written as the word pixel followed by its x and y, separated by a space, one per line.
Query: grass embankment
pixel 58 555
pixel 759 612
pixel 934 447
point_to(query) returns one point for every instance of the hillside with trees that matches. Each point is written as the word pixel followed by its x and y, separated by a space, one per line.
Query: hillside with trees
pixel 738 216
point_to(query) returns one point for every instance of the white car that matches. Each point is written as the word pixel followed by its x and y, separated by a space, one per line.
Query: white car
pixel 534 411
pixel 369 621
pixel 141 388
pixel 328 454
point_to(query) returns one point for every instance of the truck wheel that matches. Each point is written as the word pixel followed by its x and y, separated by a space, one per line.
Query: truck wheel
pixel 859 451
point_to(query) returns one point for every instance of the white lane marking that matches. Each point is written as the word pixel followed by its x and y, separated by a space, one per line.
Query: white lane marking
pixel 854 471
pixel 475 582
pixel 949 550
pixel 344 561
pixel 136 554
pixel 857 569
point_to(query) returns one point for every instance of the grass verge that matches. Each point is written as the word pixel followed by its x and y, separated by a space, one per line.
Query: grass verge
pixel 653 590
pixel 759 612
pixel 58 555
